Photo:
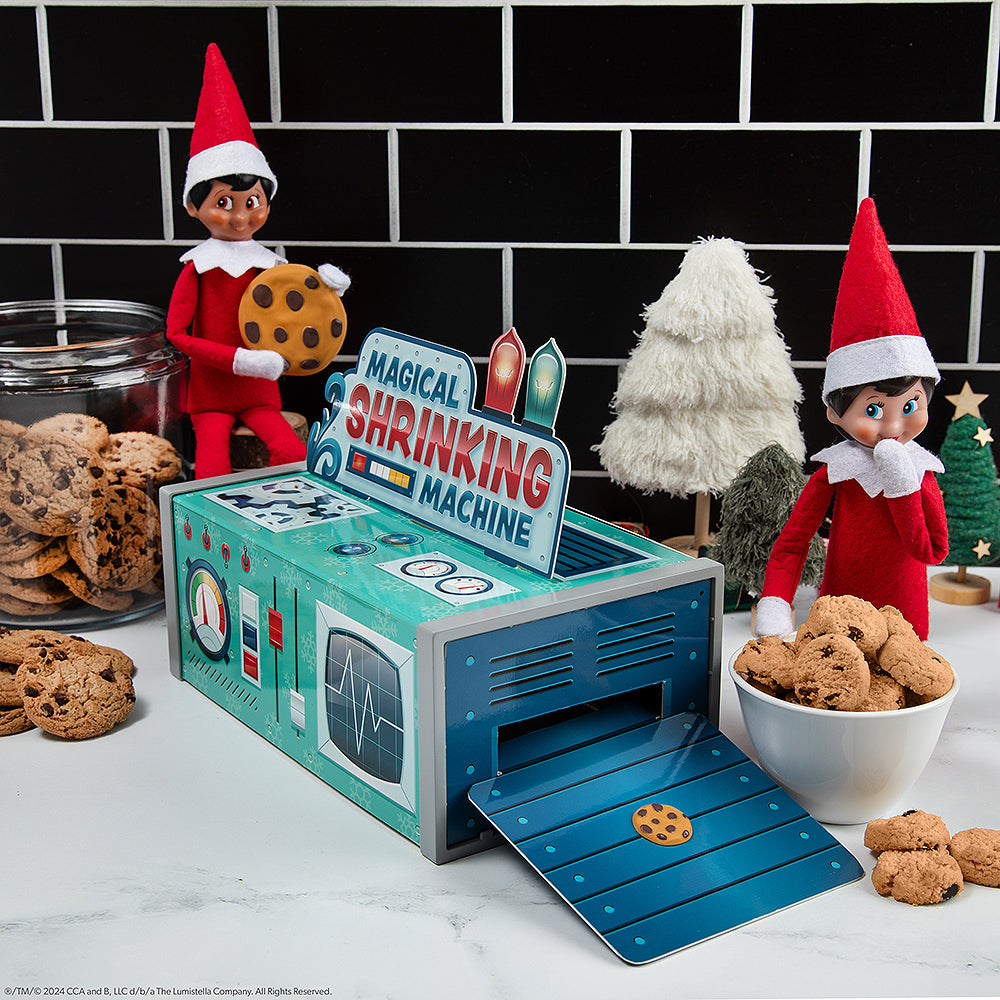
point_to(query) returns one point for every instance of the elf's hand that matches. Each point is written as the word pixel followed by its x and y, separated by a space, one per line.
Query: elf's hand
pixel 334 278
pixel 259 364
pixel 899 477
pixel 774 617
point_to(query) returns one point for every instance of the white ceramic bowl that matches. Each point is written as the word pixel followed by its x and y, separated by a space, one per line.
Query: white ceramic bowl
pixel 843 767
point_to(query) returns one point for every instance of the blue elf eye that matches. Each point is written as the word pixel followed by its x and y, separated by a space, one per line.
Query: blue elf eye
pixel 910 406
pixel 874 411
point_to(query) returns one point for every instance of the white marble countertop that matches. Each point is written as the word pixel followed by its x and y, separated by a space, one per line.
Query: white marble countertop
pixel 182 854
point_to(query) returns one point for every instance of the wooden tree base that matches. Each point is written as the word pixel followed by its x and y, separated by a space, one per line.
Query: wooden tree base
pixel 247 451
pixel 949 589
pixel 686 543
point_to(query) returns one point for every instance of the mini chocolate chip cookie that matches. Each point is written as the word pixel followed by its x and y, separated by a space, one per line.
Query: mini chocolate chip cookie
pixel 914 830
pixel 767 664
pixel 831 672
pixel 916 666
pixel 885 694
pixel 917 877
pixel 977 852
pixel 76 690
pixel 48 481
pixel 851 616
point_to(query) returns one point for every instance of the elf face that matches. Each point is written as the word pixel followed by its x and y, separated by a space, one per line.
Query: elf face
pixel 232 215
pixel 875 416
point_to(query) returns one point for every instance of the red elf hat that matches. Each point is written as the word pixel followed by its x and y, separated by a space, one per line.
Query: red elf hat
pixel 875 334
pixel 222 141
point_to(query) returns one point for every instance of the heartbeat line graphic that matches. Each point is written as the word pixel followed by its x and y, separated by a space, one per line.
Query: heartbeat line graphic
pixel 367 707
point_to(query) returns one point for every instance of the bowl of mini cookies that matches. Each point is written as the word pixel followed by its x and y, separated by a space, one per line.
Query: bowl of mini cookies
pixel 846 713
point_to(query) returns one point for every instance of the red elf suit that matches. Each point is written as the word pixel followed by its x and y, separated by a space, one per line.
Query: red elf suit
pixel 888 520
pixel 227 381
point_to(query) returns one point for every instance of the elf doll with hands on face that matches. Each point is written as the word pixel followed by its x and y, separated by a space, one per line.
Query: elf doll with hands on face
pixel 228 188
pixel 888 521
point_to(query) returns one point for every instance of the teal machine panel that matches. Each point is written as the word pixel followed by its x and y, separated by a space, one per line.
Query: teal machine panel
pixel 417 618
pixel 401 664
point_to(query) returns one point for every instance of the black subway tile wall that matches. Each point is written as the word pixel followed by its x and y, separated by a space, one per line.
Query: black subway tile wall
pixel 479 163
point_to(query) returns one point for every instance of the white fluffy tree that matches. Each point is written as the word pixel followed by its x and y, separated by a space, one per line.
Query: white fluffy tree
pixel 708 385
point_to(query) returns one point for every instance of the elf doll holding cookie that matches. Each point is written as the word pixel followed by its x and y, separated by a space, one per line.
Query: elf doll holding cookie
pixel 888 521
pixel 228 188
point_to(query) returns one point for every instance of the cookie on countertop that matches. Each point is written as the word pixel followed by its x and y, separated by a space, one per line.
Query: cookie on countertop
pixel 48 482
pixel 831 672
pixel 140 459
pixel 77 691
pixel 913 830
pixel 977 852
pixel 854 617
pixel 14 720
pixel 917 877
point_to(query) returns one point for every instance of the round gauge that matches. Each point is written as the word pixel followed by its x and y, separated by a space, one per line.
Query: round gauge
pixel 464 586
pixel 428 568
pixel 208 609
pixel 400 538
pixel 353 549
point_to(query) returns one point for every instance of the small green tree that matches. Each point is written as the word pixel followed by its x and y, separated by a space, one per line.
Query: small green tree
pixel 754 509
pixel 970 491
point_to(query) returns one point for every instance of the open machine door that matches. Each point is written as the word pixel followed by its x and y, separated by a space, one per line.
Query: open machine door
pixel 663 836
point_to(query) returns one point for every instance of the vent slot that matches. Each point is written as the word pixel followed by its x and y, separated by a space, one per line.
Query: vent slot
pixel 635 644
pixel 583 552
pixel 531 671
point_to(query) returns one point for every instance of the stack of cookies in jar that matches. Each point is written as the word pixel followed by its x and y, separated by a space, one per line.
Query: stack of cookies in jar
pixel 78 515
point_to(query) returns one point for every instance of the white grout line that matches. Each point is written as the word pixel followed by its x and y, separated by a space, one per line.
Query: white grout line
pixel 274 62
pixel 507 64
pixel 625 189
pixel 392 153
pixel 992 65
pixel 976 305
pixel 166 185
pixel 864 164
pixel 746 61
pixel 507 282
pixel 44 65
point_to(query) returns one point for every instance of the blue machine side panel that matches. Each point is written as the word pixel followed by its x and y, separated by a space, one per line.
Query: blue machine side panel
pixel 752 849
pixel 538 668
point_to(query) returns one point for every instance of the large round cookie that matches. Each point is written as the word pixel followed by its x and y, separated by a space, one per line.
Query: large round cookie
pixel 76 690
pixel 91 431
pixel 140 459
pixel 119 549
pixel 49 481
pixel 289 309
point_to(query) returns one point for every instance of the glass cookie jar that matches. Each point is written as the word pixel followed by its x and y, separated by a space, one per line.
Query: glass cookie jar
pixel 91 425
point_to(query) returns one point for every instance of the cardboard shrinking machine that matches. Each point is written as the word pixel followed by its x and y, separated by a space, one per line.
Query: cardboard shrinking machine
pixel 417 618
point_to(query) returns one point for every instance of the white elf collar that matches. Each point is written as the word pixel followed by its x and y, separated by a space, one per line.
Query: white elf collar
pixel 850 460
pixel 235 257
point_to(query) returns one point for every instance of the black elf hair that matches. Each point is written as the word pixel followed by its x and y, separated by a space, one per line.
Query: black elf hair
pixel 238 182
